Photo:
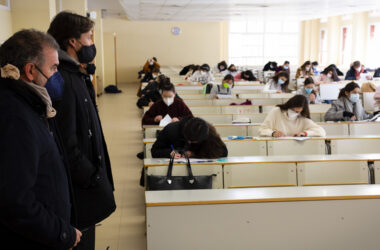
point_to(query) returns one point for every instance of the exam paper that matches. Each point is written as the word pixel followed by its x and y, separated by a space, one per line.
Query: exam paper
pixel 167 119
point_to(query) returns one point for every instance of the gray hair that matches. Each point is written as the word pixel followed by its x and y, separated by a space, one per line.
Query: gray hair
pixel 24 47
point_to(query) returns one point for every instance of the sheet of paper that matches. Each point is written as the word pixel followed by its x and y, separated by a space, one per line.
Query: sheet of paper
pixel 301 138
pixel 167 119
pixel 224 96
pixel 193 160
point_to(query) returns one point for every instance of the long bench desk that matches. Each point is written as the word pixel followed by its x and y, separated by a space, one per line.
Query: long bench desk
pixel 291 218
pixel 292 146
pixel 270 171
pixel 251 129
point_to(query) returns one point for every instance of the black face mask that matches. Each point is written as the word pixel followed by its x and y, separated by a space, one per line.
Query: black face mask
pixel 91 68
pixel 86 54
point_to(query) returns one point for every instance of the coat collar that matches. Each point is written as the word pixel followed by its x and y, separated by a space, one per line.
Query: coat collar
pixel 67 62
pixel 22 90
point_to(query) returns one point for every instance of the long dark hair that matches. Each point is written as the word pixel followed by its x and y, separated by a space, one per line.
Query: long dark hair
pixel 223 63
pixel 303 67
pixel 297 101
pixel 334 73
pixel 284 87
pixel 230 68
pixel 250 77
pixel 348 88
pixel 208 142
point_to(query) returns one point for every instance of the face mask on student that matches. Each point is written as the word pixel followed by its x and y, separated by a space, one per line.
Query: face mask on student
pixel 151 63
pixel 154 76
pixel 168 100
pixel 203 73
pixel 286 67
pixel 308 90
pixel 281 82
pixel 358 69
pixel 307 68
pixel 55 85
pixel 86 54
pixel 329 75
pixel 226 85
pixel 354 98
pixel 292 114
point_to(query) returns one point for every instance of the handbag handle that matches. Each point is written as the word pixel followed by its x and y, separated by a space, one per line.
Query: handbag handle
pixel 189 170
pixel 170 170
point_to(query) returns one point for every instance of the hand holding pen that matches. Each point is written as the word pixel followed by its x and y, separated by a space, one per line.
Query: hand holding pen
pixel 175 153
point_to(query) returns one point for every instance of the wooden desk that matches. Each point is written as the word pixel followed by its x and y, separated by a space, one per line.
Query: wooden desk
pixel 291 218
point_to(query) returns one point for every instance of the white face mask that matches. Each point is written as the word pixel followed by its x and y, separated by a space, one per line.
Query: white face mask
pixel 358 69
pixel 151 63
pixel 329 75
pixel 292 114
pixel 203 73
pixel 155 76
pixel 307 68
pixel 168 100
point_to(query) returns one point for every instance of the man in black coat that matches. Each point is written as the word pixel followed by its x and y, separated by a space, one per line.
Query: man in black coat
pixel 35 206
pixel 79 123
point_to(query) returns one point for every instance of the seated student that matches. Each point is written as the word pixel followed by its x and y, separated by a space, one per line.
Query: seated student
pixel 377 73
pixel 151 76
pixel 279 83
pixel 192 70
pixel 270 66
pixel 186 69
pixel 168 105
pixel 309 92
pixel 284 67
pixel 355 72
pixel 328 75
pixel 149 66
pixel 151 93
pixel 203 75
pixel 245 76
pixel 222 66
pixel 232 70
pixel 340 73
pixel 314 66
pixel 305 70
pixel 348 106
pixel 291 119
pixel 194 136
pixel 223 89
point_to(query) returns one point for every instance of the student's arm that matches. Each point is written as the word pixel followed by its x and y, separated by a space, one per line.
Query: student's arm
pixel 313 129
pixel 20 211
pixel 267 128
pixel 335 113
pixel 148 118
pixel 162 147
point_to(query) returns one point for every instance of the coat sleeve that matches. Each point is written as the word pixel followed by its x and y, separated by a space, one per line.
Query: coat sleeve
pixel 350 76
pixel 161 148
pixel 267 128
pixel 185 111
pixel 20 211
pixel 148 118
pixel 81 168
pixel 335 113
pixel 313 129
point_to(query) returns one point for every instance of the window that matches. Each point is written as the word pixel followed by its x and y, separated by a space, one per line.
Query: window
pixel 259 41
pixel 323 53
pixel 346 46
pixel 373 49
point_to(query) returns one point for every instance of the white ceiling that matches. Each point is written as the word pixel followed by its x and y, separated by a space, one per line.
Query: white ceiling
pixel 225 10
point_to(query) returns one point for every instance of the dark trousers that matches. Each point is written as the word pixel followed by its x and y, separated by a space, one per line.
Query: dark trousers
pixel 87 241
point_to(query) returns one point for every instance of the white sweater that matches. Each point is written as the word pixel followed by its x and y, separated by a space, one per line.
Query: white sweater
pixel 278 120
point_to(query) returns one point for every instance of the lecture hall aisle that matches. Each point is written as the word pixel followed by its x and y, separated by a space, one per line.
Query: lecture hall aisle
pixel 121 120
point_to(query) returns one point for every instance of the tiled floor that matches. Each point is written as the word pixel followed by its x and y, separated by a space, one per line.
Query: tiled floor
pixel 121 120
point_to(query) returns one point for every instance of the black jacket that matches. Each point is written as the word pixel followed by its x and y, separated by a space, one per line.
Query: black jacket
pixel 90 167
pixel 377 73
pixel 172 135
pixel 34 185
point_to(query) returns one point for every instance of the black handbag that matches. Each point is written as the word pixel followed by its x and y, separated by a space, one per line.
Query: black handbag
pixel 169 182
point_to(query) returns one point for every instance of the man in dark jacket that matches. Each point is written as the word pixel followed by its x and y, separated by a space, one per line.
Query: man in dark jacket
pixel 35 204
pixel 168 105
pixel 79 124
